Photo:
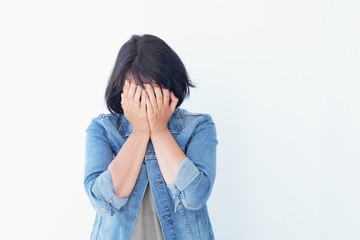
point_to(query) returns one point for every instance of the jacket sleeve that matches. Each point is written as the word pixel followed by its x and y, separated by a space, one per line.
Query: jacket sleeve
pixel 97 178
pixel 195 178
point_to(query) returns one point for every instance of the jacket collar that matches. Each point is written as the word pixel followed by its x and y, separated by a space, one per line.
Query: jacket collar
pixel 175 125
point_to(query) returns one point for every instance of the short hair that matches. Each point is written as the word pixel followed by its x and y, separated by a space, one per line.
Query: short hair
pixel 150 60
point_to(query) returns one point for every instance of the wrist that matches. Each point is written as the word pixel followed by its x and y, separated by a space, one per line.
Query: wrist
pixel 144 134
pixel 158 132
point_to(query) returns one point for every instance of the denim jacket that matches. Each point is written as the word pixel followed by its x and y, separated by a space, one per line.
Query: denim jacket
pixel 181 207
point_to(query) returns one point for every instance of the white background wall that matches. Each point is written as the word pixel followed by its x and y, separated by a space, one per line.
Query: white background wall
pixel 280 78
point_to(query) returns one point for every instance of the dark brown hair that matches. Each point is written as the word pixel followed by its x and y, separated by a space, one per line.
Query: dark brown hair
pixel 150 60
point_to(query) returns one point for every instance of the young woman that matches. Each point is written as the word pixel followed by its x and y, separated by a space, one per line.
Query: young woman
pixel 149 164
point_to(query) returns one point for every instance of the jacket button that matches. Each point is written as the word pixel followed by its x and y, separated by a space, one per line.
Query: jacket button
pixel 157 183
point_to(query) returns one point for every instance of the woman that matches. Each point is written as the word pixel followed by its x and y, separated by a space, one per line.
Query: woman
pixel 149 164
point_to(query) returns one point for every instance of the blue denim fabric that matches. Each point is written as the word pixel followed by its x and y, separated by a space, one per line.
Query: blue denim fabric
pixel 181 206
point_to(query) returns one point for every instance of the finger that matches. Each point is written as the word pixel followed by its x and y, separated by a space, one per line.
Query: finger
pixel 137 96
pixel 124 102
pixel 126 87
pixel 174 101
pixel 159 97
pixel 166 93
pixel 131 92
pixel 149 107
pixel 143 101
pixel 151 97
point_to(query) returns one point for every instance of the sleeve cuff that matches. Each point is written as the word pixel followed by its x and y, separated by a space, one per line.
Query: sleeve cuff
pixel 186 174
pixel 104 188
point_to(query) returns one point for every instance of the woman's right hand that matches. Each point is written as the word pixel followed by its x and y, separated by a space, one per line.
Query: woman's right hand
pixel 133 100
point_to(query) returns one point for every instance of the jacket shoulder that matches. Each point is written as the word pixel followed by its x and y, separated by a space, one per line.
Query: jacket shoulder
pixel 194 118
pixel 98 120
pixel 194 115
pixel 184 113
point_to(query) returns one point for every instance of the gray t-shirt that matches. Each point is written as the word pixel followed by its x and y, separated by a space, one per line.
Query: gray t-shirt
pixel 147 225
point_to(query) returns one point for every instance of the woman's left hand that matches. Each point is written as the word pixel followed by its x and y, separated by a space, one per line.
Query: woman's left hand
pixel 158 108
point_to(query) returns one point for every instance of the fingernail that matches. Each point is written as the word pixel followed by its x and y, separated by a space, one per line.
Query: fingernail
pixel 126 81
pixel 147 86
pixel 143 91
